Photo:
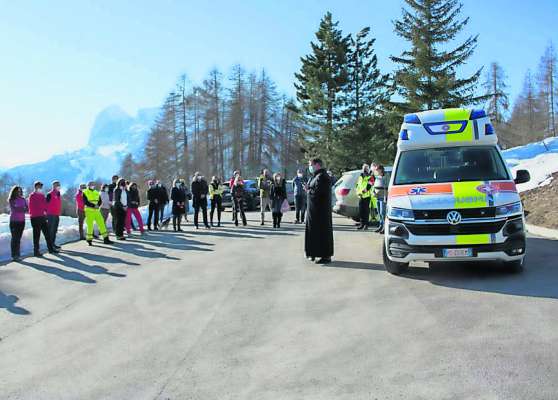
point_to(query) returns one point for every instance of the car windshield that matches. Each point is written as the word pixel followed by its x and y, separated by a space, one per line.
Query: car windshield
pixel 450 164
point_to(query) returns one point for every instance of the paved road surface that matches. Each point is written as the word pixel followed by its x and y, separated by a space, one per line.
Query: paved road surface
pixel 240 314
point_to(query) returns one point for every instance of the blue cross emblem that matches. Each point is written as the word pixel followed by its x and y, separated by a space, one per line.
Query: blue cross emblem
pixel 418 190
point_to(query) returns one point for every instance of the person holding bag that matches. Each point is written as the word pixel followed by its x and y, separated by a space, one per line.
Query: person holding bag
pixel 278 195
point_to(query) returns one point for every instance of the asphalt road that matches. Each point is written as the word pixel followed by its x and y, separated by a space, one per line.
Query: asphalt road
pixel 240 314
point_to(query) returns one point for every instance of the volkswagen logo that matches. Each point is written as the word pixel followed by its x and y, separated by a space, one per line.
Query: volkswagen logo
pixel 453 218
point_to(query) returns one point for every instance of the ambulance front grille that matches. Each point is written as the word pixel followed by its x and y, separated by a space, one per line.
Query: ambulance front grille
pixel 461 229
pixel 484 212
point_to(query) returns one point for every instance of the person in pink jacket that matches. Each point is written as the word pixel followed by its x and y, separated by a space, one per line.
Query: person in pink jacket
pixel 37 212
pixel 80 210
pixel 18 208
pixel 54 209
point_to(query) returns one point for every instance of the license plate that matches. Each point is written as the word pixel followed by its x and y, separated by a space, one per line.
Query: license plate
pixel 453 253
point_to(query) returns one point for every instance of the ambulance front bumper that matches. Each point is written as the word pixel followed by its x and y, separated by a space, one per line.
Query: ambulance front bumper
pixel 404 246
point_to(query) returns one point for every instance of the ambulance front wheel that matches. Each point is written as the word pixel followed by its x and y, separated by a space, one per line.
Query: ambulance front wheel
pixel 393 267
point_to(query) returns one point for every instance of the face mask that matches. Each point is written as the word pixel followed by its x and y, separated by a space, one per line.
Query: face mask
pixel 299 175
pixel 105 190
pixel 57 188
pixel 311 169
pixel 39 190
pixel 366 171
pixel 91 187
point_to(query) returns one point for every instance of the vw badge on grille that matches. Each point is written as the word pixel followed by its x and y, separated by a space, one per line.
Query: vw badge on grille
pixel 453 218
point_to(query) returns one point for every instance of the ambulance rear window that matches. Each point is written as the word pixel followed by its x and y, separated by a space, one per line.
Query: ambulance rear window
pixel 450 164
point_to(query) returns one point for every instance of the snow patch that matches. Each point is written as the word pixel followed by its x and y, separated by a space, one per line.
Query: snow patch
pixel 535 158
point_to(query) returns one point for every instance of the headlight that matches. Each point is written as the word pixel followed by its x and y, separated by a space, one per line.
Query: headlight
pixel 401 214
pixel 509 209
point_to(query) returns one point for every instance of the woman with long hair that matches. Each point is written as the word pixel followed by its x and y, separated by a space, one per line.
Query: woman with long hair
pixel 134 203
pixel 18 208
pixel 278 195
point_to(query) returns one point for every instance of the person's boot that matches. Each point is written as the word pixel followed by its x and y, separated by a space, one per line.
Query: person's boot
pixel 90 242
pixel 37 253
pixel 279 217
pixel 107 241
pixel 274 220
pixel 263 220
pixel 324 260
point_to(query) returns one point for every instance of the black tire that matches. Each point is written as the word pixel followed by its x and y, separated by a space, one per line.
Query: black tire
pixel 514 267
pixel 393 267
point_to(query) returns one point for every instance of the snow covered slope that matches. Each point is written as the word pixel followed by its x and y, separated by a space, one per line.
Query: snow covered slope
pixel 535 158
pixel 114 134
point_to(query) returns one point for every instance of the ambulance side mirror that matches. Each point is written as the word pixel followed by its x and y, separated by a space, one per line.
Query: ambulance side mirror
pixel 522 176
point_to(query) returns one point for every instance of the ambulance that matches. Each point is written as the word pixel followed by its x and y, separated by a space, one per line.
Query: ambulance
pixel 452 197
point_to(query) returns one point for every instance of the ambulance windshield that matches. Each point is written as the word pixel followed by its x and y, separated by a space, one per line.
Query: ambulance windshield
pixel 450 164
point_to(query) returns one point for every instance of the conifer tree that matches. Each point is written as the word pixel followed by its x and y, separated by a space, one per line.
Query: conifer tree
pixel 548 88
pixel 427 77
pixel 495 89
pixel 320 86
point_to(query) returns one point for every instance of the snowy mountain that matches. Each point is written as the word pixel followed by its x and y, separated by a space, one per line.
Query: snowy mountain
pixel 113 135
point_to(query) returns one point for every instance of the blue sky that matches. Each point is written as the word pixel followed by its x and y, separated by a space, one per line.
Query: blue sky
pixel 64 61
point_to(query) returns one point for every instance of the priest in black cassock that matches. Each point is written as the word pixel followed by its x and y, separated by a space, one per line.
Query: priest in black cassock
pixel 318 241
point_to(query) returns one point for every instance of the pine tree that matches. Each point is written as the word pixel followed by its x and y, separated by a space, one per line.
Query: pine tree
pixel 366 90
pixel 320 86
pixel 427 77
pixel 496 91
pixel 236 115
pixel 366 97
pixel 182 117
pixel 548 88
pixel 527 116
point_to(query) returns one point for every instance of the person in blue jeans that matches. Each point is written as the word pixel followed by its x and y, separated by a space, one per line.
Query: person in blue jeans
pixel 380 192
pixel 299 191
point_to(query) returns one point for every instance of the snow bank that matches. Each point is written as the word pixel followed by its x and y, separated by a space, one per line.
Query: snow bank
pixel 535 158
pixel 67 232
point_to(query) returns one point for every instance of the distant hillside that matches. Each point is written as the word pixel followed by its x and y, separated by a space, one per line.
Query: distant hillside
pixel 114 134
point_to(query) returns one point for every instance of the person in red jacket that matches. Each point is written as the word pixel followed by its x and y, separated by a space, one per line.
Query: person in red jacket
pixel 54 209
pixel 37 212
pixel 80 210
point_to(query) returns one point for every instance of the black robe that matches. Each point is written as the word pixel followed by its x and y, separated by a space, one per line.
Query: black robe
pixel 318 241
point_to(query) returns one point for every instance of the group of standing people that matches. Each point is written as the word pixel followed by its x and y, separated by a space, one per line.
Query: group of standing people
pixel 121 200
pixel 372 184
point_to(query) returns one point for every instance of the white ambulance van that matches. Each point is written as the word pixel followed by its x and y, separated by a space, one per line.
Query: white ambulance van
pixel 452 196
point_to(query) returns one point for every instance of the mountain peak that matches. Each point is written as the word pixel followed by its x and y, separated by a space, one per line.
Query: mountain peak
pixel 110 127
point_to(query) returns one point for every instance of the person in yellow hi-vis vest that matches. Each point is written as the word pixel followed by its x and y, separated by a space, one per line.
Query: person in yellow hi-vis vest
pixel 92 202
pixel 364 186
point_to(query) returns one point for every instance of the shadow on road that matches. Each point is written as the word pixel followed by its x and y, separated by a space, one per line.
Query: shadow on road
pixel 8 301
pixel 134 248
pixel 68 275
pixel 539 279
pixel 98 257
pixel 354 265
pixel 91 269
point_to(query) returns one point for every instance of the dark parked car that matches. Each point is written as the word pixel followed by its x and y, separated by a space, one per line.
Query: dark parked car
pixel 251 195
